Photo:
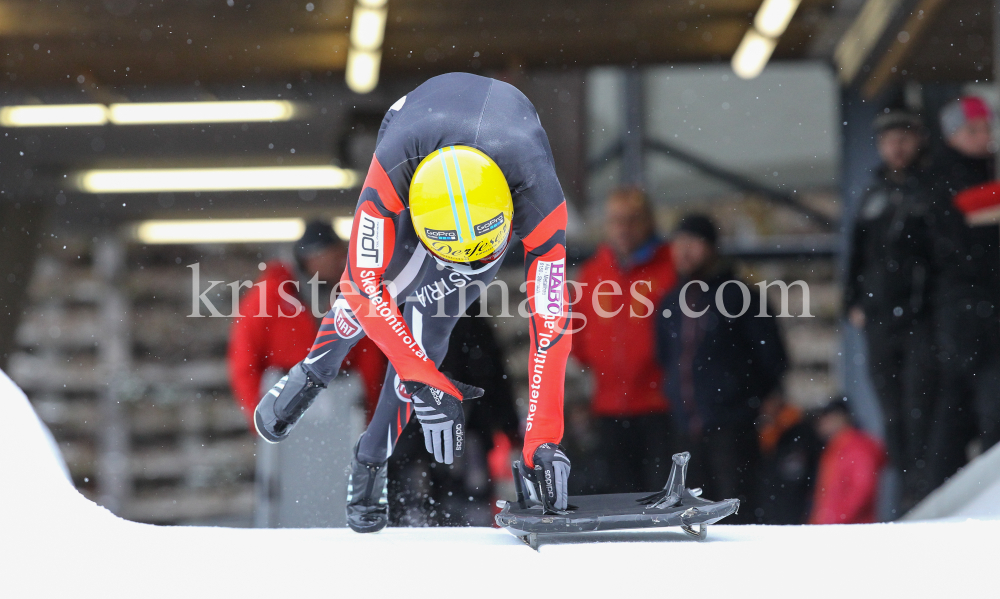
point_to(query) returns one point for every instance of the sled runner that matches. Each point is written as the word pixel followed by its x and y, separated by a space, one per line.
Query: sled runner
pixel 675 505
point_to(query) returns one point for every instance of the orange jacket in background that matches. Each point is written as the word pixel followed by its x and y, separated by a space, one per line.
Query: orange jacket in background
pixel 258 343
pixel 770 434
pixel 621 350
pixel 847 479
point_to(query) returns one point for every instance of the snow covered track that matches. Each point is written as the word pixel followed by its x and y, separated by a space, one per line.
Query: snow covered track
pixel 55 543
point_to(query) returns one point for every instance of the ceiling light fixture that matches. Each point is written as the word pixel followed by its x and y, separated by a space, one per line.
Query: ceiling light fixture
pixel 239 230
pixel 54 115
pixel 364 57
pixel 362 70
pixel 752 55
pixel 214 179
pixel 343 226
pixel 368 28
pixel 248 230
pixel 147 113
pixel 774 16
pixel 759 41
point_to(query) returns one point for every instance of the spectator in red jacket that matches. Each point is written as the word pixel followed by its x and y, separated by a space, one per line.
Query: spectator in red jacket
pixel 278 320
pixel 621 285
pixel 849 468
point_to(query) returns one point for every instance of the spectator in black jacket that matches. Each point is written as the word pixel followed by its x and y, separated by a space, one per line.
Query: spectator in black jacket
pixel 721 360
pixel 968 327
pixel 790 451
pixel 892 269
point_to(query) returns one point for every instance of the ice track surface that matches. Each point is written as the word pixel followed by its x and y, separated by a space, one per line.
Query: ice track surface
pixel 56 543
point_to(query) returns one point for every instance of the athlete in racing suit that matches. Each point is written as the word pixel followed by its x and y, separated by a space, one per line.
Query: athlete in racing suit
pixel 399 291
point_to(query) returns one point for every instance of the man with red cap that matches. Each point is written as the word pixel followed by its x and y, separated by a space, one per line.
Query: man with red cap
pixel 968 329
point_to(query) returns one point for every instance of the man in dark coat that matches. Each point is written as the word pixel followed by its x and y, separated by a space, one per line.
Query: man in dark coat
pixel 892 272
pixel 790 452
pixel 721 360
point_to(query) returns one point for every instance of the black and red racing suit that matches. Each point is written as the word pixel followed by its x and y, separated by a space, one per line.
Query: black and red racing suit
pixel 387 261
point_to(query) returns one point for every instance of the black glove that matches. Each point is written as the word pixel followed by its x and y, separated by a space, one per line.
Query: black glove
pixel 548 482
pixel 441 418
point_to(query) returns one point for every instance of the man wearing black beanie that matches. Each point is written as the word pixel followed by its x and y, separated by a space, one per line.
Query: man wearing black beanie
pixel 892 274
pixel 279 341
pixel 720 361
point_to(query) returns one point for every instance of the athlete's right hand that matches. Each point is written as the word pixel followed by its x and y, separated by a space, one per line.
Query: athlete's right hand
pixel 442 418
pixel 548 481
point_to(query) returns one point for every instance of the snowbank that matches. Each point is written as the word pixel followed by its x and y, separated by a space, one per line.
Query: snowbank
pixel 973 492
pixel 55 543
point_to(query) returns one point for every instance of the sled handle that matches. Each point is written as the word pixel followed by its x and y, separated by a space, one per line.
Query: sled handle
pixel 517 484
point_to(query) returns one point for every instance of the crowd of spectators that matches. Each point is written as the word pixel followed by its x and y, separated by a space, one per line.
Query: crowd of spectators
pixel 681 359
pixel 922 283
pixel 923 272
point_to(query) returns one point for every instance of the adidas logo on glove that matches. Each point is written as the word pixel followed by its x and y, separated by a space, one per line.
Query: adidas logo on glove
pixel 437 394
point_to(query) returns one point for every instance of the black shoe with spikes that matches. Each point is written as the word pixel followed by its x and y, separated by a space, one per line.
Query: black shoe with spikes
pixel 367 496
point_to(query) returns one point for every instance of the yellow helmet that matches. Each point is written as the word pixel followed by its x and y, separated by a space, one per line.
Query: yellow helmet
pixel 461 208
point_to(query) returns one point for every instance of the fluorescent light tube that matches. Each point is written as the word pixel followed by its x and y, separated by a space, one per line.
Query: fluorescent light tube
pixel 148 113
pixel 752 54
pixel 214 179
pixel 367 28
pixel 362 70
pixel 250 230
pixel 54 115
pixel 774 16
pixel 343 226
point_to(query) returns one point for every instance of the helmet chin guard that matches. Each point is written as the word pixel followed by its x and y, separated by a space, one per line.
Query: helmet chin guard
pixel 476 267
pixel 461 267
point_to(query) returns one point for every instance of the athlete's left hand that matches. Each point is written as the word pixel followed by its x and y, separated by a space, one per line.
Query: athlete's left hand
pixel 442 418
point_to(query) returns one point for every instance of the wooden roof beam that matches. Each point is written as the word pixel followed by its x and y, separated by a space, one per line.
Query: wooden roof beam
pixel 901 47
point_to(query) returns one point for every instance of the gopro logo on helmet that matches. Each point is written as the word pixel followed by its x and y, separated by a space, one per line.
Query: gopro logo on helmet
pixel 493 223
pixel 369 241
pixel 441 235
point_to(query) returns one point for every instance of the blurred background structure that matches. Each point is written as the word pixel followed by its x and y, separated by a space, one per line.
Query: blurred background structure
pixel 122 118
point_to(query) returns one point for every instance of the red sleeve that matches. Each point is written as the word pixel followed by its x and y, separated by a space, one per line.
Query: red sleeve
pixel 373 238
pixel 548 302
pixel 247 355
pixel 977 198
